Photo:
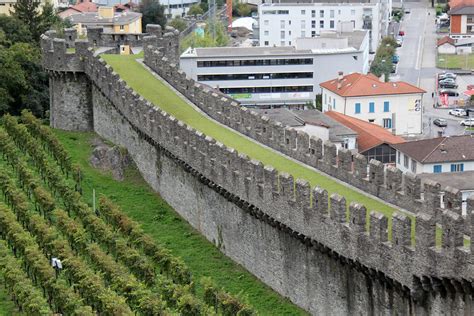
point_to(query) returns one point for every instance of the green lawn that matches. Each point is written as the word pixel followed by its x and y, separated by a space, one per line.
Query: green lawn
pixel 447 61
pixel 143 82
pixel 159 220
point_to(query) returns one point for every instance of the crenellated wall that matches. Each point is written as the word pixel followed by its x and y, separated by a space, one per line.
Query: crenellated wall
pixel 309 246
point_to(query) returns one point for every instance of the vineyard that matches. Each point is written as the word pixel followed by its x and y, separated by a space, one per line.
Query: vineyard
pixel 108 264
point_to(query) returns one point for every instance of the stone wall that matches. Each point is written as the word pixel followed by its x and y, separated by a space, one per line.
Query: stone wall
pixel 310 274
pixel 70 101
pixel 389 184
pixel 295 238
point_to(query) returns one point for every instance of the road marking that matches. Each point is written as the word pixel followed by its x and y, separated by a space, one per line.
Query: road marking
pixel 419 57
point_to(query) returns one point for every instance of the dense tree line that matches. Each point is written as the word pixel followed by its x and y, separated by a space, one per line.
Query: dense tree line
pixel 23 83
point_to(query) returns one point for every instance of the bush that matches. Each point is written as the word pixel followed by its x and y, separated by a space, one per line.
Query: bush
pixel 195 9
pixel 178 23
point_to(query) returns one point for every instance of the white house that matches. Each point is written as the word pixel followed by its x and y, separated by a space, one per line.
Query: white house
pixel 437 155
pixel 446 160
pixel 396 106
pixel 446 45
pixel 280 24
pixel 277 76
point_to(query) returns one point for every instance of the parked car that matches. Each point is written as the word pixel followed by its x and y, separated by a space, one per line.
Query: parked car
pixel 407 11
pixel 448 85
pixel 440 122
pixel 401 33
pixel 447 80
pixel 399 42
pixel 447 75
pixel 457 112
pixel 395 59
pixel 468 122
pixel 449 92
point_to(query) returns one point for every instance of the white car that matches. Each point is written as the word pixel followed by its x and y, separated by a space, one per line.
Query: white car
pixel 468 122
pixel 458 112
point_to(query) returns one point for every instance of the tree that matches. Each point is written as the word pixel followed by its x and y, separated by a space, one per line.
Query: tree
pixel 23 84
pixel 178 23
pixel 153 13
pixel 14 30
pixel 28 12
pixel 241 9
pixel 195 9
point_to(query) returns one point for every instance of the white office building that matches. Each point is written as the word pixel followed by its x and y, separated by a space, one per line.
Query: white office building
pixel 278 76
pixel 280 24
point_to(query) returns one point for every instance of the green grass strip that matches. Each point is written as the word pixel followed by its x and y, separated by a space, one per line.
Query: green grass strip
pixel 152 89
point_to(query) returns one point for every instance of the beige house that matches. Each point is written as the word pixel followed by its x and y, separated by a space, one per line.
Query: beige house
pixel 111 21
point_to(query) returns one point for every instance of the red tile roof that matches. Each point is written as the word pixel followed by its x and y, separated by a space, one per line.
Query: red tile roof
pixel 357 84
pixel 85 6
pixel 445 40
pixel 370 135
pixel 460 3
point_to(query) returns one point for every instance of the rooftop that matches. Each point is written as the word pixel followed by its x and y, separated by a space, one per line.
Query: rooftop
pixel 370 135
pixel 460 7
pixel 357 84
pixel 320 3
pixel 93 18
pixel 299 118
pixel 441 149
pixel 355 40
pixel 459 180
pixel 445 40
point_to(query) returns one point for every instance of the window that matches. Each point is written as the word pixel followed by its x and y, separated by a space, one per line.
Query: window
pixel 386 106
pixel 357 108
pixel 371 120
pixel 331 24
pixel 437 168
pixel 405 160
pixel 122 27
pixel 313 13
pixel 457 167
pixel 265 22
pixel 398 157
pixel 339 12
pixel 303 24
pixel 387 123
pixel 289 43
pixel 266 43
pixel 313 33
pixel 282 34
pixel 321 24
pixel 289 33
pixel 282 24
pixel 265 33
pixel 325 98
pixel 371 107
pixel 353 12
pixel 413 166
pixel 282 43
pixel 330 99
pixel 321 13
pixel 303 34
pixel 289 22
pixel 331 13
pixel 303 12
pixel 334 103
pixel 313 24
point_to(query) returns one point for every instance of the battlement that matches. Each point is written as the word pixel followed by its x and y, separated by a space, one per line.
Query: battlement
pixel 66 52
pixel 292 205
pixel 389 184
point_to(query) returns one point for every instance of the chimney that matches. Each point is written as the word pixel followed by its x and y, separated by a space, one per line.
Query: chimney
pixel 339 79
pixel 442 148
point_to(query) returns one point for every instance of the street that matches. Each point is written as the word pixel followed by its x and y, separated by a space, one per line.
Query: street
pixel 418 65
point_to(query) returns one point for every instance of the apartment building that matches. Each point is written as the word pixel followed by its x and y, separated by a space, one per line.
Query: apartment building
pixel 462 20
pixel 280 24
pixel 396 106
pixel 277 76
